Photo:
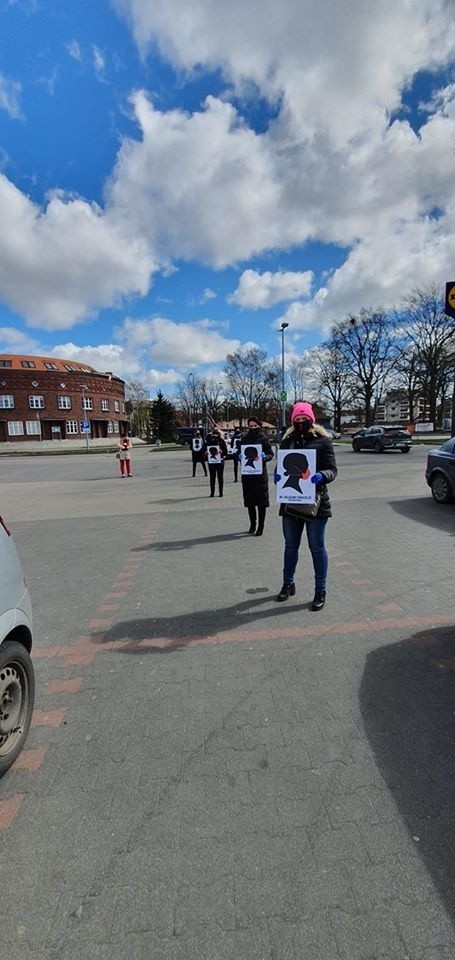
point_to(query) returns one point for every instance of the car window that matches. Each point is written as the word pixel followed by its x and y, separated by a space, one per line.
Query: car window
pixel 449 446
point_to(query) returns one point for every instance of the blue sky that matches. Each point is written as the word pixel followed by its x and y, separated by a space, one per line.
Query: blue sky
pixel 175 182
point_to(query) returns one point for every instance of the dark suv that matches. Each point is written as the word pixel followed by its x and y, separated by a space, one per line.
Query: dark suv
pixel 380 439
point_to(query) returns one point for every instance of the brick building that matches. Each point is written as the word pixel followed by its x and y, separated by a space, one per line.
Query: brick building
pixel 49 399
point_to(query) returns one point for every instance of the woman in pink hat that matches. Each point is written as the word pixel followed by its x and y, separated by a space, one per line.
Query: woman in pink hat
pixel 306 434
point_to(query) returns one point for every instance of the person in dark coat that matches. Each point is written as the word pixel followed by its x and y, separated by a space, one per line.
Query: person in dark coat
pixel 256 488
pixel 235 444
pixel 198 452
pixel 305 434
pixel 216 470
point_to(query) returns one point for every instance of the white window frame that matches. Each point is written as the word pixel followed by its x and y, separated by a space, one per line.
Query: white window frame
pixel 69 425
pixel 33 428
pixel 110 426
pixel 87 403
pixel 6 401
pixel 116 426
pixel 15 428
pixel 117 406
pixel 36 401
pixel 105 406
pixel 62 405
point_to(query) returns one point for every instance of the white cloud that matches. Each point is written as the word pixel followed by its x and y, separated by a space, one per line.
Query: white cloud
pixel 183 345
pixel 207 294
pixel 265 289
pixel 10 91
pixel 74 50
pixel 59 265
pixel 99 62
pixel 13 340
pixel 206 187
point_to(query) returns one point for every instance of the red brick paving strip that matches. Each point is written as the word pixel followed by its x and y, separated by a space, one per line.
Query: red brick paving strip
pixel 30 760
pixel 48 718
pixel 63 686
pixel 8 810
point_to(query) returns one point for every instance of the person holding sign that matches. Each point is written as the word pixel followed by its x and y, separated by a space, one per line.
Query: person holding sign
pixel 302 476
pixel 216 454
pixel 198 452
pixel 255 481
pixel 235 445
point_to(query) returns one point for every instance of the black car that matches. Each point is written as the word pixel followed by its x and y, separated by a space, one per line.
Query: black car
pixel 380 439
pixel 440 471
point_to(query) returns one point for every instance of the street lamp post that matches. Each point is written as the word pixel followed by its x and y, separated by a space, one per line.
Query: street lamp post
pixel 84 413
pixel 283 391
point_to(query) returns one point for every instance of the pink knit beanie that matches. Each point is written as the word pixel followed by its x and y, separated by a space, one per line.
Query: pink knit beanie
pixel 302 410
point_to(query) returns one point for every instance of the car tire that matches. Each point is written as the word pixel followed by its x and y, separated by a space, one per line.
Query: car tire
pixel 406 450
pixel 356 446
pixel 17 698
pixel 440 488
pixel 378 448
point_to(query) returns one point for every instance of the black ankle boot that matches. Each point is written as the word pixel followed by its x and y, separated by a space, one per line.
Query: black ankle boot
pixel 259 532
pixel 318 600
pixel 252 528
pixel 287 590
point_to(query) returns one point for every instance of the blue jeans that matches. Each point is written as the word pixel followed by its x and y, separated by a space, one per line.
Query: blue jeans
pixel 315 531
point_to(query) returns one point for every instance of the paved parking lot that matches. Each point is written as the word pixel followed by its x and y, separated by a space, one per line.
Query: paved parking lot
pixel 211 775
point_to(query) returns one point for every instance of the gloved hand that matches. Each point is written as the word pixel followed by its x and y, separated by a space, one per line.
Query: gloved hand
pixel 317 478
pixel 276 477
pixel 263 455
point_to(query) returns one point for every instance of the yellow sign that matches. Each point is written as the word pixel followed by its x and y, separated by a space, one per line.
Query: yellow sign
pixel 450 299
pixel 451 296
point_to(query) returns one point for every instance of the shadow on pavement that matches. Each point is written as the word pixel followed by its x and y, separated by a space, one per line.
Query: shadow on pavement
pixel 187 627
pixel 425 510
pixel 407 702
pixel 187 544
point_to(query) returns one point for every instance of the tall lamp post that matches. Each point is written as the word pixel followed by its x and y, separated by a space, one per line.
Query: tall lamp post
pixel 84 413
pixel 283 390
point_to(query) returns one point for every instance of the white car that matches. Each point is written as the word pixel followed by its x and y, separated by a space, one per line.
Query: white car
pixel 17 679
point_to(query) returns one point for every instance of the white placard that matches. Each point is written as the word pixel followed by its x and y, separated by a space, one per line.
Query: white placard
pixel 213 453
pixel 196 444
pixel 295 468
pixel 251 459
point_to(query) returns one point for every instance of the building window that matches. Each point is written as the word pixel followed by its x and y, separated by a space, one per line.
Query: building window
pixel 105 405
pixel 36 402
pixel 123 408
pixel 16 428
pixel 51 366
pixel 87 403
pixel 64 403
pixel 115 426
pixel 116 406
pixel 72 426
pixel 110 426
pixel 32 428
pixel 6 402
pixel 28 363
pixel 70 368
pixel 5 363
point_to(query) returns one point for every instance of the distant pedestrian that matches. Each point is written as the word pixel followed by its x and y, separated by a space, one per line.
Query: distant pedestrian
pixel 198 452
pixel 256 488
pixel 235 445
pixel 306 434
pixel 125 447
pixel 216 450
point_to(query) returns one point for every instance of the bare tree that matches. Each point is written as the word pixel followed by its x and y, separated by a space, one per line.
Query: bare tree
pixel 297 379
pixel 137 407
pixel 368 349
pixel 250 380
pixel 432 336
pixel 334 380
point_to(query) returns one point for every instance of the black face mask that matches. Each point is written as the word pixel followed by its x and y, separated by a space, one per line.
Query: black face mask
pixel 303 428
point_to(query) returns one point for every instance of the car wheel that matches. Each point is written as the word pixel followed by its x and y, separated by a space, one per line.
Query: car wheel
pixel 440 488
pixel 356 446
pixel 17 697
pixel 378 448
pixel 406 450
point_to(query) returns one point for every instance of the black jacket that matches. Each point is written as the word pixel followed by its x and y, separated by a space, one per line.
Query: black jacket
pixel 256 489
pixel 325 463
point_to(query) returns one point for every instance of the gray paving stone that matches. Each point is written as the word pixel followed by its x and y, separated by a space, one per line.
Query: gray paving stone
pixel 367 937
pixel 424 928
pixel 312 940
pixel 199 903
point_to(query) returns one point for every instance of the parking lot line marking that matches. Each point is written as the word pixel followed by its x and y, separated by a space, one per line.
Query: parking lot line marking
pixel 30 760
pixel 8 810
pixel 48 718
pixel 63 686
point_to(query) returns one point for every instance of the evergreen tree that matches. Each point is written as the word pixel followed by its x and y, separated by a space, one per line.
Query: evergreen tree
pixel 162 418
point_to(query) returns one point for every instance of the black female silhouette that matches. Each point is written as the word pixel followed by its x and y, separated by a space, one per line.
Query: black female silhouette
pixel 296 468
pixel 251 456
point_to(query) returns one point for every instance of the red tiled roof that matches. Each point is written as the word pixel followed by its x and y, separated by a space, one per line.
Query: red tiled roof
pixel 24 361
